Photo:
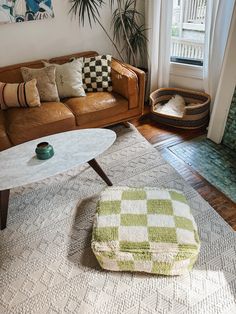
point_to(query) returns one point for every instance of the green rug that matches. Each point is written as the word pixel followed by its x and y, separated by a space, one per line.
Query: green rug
pixel 216 163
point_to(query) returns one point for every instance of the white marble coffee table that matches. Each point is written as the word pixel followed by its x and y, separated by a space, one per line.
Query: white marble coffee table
pixel 20 166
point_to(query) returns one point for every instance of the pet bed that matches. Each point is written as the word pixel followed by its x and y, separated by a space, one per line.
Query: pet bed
pixel 196 113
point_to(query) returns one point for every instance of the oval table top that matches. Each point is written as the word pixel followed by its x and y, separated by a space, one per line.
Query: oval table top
pixel 19 164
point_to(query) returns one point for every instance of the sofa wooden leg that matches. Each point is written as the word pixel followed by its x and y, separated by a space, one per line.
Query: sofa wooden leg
pixel 126 124
pixel 4 199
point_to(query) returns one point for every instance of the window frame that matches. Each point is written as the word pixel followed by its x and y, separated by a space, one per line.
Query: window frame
pixel 187 61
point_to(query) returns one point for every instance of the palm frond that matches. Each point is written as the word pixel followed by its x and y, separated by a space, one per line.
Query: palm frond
pixel 127 14
pixel 86 8
pixel 112 3
pixel 126 20
pixel 138 41
pixel 129 17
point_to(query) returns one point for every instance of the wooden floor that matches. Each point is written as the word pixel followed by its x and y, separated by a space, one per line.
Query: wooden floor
pixel 164 137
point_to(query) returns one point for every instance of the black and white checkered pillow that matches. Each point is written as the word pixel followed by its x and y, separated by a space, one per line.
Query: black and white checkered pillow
pixel 97 74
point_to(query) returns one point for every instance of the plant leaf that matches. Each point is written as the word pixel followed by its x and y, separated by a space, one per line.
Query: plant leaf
pixel 86 9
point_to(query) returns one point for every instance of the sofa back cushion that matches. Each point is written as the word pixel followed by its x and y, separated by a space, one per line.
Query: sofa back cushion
pixel 12 73
pixel 67 58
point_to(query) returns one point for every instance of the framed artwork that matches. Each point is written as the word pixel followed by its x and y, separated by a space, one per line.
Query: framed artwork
pixel 14 11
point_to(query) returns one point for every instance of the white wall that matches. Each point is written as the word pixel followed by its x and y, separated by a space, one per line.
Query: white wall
pixel 51 38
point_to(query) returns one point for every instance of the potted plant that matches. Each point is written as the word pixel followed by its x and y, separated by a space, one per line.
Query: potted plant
pixel 129 37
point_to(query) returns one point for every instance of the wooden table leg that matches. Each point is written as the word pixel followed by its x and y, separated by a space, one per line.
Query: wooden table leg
pixel 93 163
pixel 4 200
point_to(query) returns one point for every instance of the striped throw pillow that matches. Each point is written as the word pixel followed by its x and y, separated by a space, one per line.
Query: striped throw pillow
pixel 21 95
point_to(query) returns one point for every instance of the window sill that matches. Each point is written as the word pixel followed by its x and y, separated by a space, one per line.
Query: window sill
pixel 186 70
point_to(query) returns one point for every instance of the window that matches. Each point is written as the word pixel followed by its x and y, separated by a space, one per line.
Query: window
pixel 188 31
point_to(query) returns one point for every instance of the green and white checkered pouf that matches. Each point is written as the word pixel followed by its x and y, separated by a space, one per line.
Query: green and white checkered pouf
pixel 145 229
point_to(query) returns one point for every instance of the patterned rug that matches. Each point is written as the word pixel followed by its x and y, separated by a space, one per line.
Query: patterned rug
pixel 47 266
pixel 216 163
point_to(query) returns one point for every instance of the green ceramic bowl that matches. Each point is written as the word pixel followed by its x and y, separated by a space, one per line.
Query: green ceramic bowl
pixel 44 151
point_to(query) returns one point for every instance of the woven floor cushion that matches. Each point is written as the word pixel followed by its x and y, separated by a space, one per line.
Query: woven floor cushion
pixel 146 230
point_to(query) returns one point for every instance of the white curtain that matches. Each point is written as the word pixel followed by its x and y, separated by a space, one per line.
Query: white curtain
pixel 159 20
pixel 226 87
pixel 219 14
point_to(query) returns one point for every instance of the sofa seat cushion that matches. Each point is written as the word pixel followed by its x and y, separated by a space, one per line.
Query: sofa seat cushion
pixel 4 139
pixel 97 106
pixel 31 123
pixel 145 229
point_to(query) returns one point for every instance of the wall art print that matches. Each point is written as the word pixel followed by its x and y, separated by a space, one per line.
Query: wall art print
pixel 14 11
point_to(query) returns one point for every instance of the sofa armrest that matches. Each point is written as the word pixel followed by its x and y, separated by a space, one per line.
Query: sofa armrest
pixel 129 82
pixel 141 80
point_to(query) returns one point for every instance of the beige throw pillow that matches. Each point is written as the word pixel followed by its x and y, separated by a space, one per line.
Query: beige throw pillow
pixel 22 95
pixel 46 82
pixel 69 78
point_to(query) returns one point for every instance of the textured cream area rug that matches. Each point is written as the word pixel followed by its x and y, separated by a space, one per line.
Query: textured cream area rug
pixel 47 266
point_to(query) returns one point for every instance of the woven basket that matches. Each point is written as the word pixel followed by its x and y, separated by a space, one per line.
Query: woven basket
pixel 194 117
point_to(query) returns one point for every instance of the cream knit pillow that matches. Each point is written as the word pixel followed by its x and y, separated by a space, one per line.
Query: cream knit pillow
pixel 69 78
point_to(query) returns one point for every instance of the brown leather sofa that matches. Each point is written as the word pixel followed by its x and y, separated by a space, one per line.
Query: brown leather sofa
pixel 98 109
